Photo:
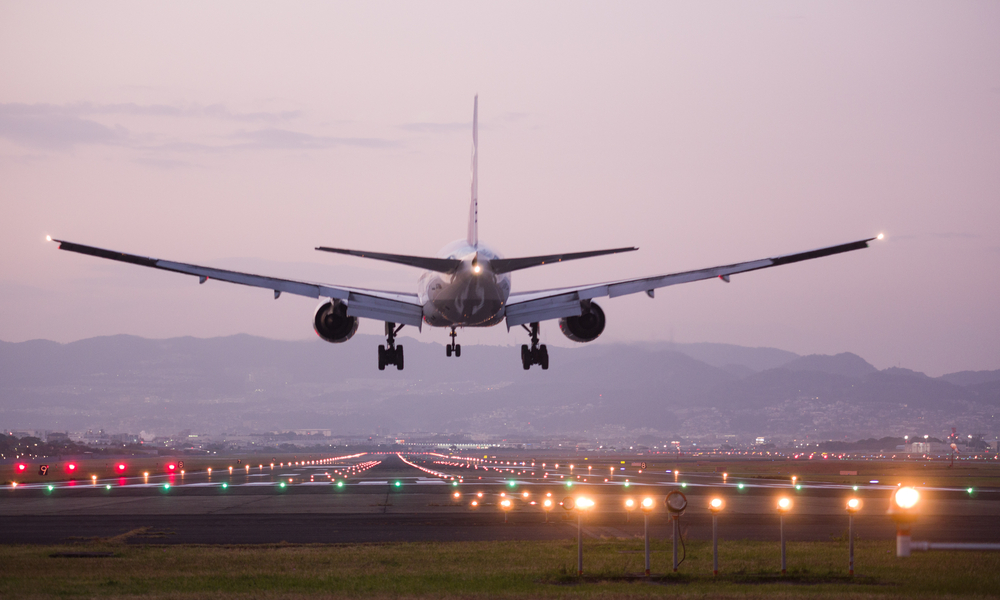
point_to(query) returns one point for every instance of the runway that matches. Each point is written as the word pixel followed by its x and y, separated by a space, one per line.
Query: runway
pixel 387 498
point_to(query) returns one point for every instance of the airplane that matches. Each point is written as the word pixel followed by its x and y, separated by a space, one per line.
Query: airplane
pixel 468 284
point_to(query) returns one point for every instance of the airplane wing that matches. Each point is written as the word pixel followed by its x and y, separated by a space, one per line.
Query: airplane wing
pixel 394 307
pixel 531 307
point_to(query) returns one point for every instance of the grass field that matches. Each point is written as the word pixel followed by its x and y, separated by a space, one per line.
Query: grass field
pixel 489 570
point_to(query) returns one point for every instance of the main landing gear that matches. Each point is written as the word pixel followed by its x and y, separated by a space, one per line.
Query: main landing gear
pixel 453 347
pixel 535 355
pixel 393 354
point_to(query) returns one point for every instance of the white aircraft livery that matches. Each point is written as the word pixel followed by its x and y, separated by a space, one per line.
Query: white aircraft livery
pixel 466 285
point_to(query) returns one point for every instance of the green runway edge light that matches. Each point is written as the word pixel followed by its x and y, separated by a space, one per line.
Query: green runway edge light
pixel 570 484
pixel 684 485
pixel 798 487
pixel 969 490
pixel 166 486
pixel 53 487
pixel 739 485
pixel 107 487
pixel 225 485
pixel 282 484
pixel 340 484
pixel 398 483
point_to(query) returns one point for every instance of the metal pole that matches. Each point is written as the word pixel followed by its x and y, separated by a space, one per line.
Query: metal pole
pixel 676 535
pixel 715 544
pixel 902 540
pixel 782 517
pixel 850 542
pixel 646 524
pixel 579 542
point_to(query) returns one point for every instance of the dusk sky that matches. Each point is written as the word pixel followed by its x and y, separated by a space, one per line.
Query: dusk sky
pixel 244 134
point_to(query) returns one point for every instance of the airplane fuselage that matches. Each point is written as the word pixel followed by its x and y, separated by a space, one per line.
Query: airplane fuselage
pixel 466 297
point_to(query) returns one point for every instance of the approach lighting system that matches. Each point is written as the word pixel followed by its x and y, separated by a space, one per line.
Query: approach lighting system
pixel 171 467
pixel 906 498
pixel 716 505
pixel 71 467
pixel 647 504
pixel 676 502
pixel 584 503
pixel 784 505
pixel 854 505
pixel 630 504
pixel 120 468
pixel 21 468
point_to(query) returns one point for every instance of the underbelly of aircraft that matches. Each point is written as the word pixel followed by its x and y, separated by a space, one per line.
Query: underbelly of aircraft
pixel 473 302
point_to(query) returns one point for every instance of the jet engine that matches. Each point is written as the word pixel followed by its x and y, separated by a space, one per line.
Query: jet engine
pixel 332 323
pixel 586 327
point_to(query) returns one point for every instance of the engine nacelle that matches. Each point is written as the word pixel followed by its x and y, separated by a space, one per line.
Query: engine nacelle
pixel 332 323
pixel 586 327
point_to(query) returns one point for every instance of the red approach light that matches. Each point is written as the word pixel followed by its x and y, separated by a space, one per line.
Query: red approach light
pixel 121 467
pixel 171 467
pixel 21 467
pixel 71 467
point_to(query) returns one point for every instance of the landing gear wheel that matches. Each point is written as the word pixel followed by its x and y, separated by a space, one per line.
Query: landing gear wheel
pixel 535 354
pixel 447 350
pixel 458 350
pixel 390 353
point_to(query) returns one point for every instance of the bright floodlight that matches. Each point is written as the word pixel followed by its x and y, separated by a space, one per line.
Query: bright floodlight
pixel 854 505
pixel 716 504
pixel 583 503
pixel 647 504
pixel 629 503
pixel 906 498
pixel 784 504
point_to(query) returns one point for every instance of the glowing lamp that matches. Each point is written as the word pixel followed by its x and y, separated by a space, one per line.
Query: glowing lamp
pixel 716 505
pixel 854 505
pixel 21 467
pixel 121 467
pixel 906 498
pixel 647 504
pixel 784 505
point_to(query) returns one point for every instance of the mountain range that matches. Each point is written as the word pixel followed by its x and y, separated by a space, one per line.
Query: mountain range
pixel 242 384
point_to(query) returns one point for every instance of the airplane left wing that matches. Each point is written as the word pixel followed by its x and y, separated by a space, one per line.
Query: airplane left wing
pixel 395 307
pixel 531 307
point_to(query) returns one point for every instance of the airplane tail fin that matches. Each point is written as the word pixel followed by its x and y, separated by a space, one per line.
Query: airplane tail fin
pixel 473 235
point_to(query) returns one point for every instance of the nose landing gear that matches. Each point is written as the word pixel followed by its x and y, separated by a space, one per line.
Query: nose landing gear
pixel 390 353
pixel 453 347
pixel 536 354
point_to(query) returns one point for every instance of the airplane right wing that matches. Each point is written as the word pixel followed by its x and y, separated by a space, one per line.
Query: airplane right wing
pixel 532 307
pixel 394 307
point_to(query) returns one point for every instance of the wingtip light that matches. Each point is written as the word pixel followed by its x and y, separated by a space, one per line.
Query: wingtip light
pixel 880 236
pixel 48 238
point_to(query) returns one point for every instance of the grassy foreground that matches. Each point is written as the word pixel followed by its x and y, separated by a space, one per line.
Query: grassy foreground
pixel 490 570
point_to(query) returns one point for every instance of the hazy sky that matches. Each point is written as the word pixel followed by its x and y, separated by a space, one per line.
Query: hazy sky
pixel 242 134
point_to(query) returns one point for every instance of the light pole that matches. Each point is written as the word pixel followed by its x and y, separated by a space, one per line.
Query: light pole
pixel 647 507
pixel 581 504
pixel 903 511
pixel 853 506
pixel 676 503
pixel 784 505
pixel 716 506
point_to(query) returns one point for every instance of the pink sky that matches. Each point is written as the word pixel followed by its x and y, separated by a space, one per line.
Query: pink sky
pixel 245 134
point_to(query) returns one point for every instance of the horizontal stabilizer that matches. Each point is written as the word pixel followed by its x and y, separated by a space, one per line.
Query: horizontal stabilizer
pixel 506 265
pixel 441 265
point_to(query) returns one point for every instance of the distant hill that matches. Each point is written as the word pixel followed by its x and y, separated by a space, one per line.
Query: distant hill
pixel 243 383
pixel 846 364
pixel 971 377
